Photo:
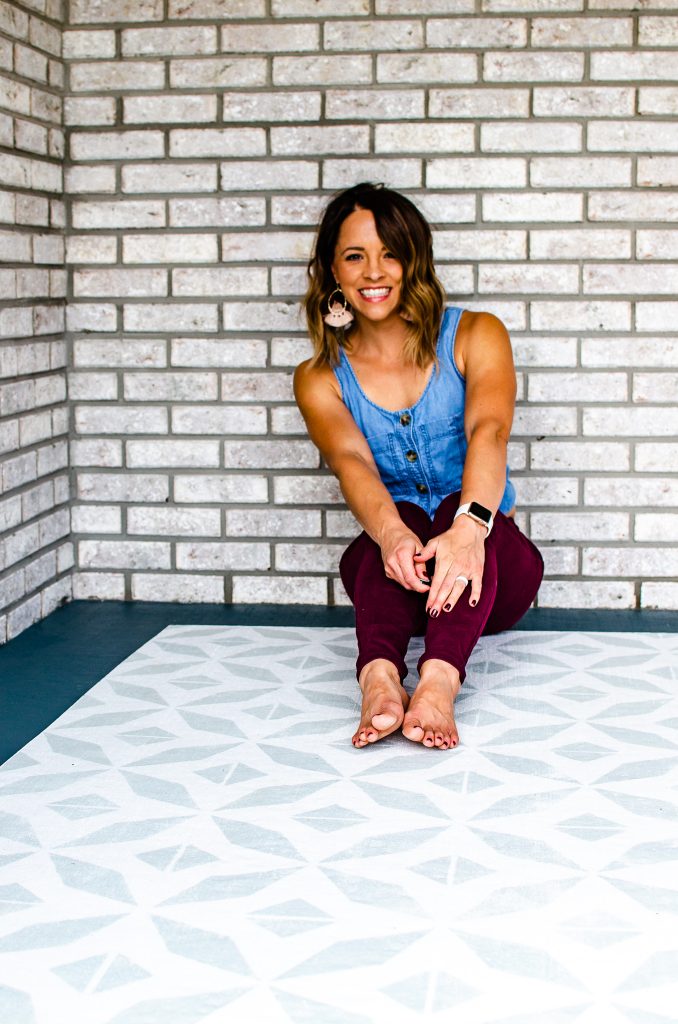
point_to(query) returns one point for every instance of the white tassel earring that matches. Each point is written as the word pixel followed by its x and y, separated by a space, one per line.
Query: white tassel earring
pixel 338 315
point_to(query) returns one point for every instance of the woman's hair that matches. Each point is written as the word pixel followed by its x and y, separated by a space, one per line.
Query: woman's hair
pixel 406 234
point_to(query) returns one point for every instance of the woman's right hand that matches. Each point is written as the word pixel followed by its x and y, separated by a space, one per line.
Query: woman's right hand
pixel 398 548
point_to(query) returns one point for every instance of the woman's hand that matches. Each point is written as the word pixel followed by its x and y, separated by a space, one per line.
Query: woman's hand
pixel 398 548
pixel 460 551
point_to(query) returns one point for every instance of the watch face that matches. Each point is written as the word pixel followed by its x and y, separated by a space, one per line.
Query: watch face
pixel 480 512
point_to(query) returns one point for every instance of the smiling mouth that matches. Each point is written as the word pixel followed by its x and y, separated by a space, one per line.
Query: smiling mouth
pixel 374 294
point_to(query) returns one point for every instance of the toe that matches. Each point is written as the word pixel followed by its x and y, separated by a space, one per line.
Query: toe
pixel 386 720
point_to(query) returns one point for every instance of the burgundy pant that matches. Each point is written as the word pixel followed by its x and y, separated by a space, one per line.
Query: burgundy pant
pixel 387 614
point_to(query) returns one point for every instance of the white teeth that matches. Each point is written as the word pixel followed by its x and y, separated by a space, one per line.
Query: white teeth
pixel 373 293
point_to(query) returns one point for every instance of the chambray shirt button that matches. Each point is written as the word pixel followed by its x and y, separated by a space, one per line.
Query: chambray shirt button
pixel 406 419
pixel 411 456
pixel 422 488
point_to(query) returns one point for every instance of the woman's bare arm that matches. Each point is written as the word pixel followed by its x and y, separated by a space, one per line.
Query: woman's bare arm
pixel 345 450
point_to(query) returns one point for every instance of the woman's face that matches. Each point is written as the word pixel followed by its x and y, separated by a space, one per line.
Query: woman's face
pixel 369 275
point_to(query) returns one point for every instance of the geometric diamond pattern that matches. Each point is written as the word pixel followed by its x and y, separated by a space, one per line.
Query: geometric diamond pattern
pixel 196 839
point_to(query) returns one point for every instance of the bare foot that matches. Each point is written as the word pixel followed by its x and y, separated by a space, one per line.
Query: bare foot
pixel 430 718
pixel 384 702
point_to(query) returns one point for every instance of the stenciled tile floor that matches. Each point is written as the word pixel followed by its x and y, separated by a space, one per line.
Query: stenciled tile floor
pixel 196 840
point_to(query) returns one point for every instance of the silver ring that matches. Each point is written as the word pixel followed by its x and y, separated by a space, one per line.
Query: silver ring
pixel 466 581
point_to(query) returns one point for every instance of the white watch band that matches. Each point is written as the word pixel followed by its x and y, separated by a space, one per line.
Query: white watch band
pixel 464 510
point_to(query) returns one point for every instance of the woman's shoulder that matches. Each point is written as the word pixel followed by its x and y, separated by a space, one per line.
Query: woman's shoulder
pixel 311 376
pixel 478 330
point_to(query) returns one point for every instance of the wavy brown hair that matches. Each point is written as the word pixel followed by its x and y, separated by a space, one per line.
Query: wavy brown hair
pixel 405 233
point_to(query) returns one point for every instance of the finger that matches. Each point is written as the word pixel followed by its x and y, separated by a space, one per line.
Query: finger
pixel 476 587
pixel 454 595
pixel 428 552
pixel 411 573
pixel 441 585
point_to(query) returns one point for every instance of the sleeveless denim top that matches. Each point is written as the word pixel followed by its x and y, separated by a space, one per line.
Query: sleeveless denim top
pixel 419 451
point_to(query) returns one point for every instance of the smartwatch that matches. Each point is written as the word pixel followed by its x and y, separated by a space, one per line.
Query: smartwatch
pixel 478 512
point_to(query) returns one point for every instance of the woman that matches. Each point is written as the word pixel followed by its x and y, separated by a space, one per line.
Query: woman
pixel 411 407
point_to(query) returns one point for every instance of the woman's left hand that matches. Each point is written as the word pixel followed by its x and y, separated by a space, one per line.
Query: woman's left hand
pixel 460 551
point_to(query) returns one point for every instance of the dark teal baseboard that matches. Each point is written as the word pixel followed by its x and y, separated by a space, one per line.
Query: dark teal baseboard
pixel 52 664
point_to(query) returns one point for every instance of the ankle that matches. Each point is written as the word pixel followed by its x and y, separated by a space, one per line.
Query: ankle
pixel 379 668
pixel 434 670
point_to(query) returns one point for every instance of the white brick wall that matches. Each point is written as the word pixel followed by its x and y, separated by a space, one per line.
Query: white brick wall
pixel 203 138
pixel 35 563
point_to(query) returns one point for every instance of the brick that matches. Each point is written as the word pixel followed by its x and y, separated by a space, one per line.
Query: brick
pixel 304 490
pixel 580 243
pixel 635 352
pixel 269 39
pixel 92 386
pixel 127 145
pixel 545 421
pixel 172 109
pixel 19 619
pixel 539 137
pixel 89 586
pixel 15 246
pixel 272 106
pixel 373 34
pixel 223 556
pixel 370 104
pixel 656 458
pixel 178 248
pixel 117 76
pixel 630 561
pixel 289 351
pixel 270 455
pixel 142 352
pixel 14 96
pixel 118 282
pixel 579 455
pixel 657 170
pixel 148 454
pixel 96 519
pixel 638 66
pixel 625 279
pixel 220 489
pixel 290 141
pixel 627 206
pixel 657 100
pixel 632 136
pixel 219 352
pixel 13 21
pixel 170 387
pixel 658 31
pixel 89 110
pixel 586 594
pixel 478 33
pixel 170 317
pixel 93 419
pixel 243 246
pixel 581 387
pixel 272 175
pixel 15 322
pixel 404 173
pixel 38 572
pixel 530 206
pixel 99 452
pixel 99 317
pixel 341 524
pixel 587 172
pixel 94 178
pixel 479 103
pixel 426 68
pixel 317 8
pixel 582 32
pixel 91 249
pixel 108 487
pixel 424 137
pixel 615 491
pixel 96 11
pixel 546 491
pixel 580 315
pixel 186 142
pixel 659 595
pixel 29 136
pixel 261 316
pixel 199 522
pixel 347 69
pixel 480 244
pixel 220 281
pixel 121 554
pixel 583 101
pixel 172 40
pixel 226 212
pixel 521 277
pixel 216 9
pixel 288 280
pixel 308 557
pixel 88 43
pixel 217 73
pixel 18 471
pixel 256 387
pixel 579 526
pixel 181 588
pixel 272 523
pixel 656 316
pixel 641 421
pixel 279 590
pixel 504 66
pixel 655 387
